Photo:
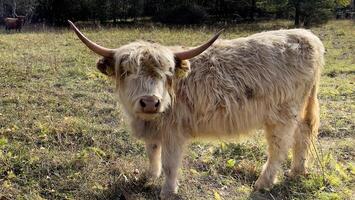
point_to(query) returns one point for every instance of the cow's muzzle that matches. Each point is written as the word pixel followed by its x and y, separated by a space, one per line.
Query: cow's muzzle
pixel 149 104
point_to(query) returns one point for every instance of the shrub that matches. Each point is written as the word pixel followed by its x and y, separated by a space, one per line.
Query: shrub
pixel 181 14
pixel 317 11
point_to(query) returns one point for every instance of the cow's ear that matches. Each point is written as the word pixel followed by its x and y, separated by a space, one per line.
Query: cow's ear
pixel 106 66
pixel 182 68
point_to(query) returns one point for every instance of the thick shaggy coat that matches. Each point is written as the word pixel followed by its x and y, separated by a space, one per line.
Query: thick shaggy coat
pixel 268 80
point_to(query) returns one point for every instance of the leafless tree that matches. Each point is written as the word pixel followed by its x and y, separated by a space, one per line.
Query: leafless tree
pixel 14 6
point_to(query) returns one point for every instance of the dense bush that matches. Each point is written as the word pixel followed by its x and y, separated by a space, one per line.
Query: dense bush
pixel 56 12
pixel 320 16
pixel 181 14
pixel 311 12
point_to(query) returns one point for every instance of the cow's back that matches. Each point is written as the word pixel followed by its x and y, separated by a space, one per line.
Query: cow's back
pixel 238 84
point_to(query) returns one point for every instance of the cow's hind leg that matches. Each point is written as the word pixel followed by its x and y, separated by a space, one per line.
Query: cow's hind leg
pixel 305 134
pixel 153 149
pixel 279 139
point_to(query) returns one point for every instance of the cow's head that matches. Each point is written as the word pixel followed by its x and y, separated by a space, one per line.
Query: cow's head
pixel 21 19
pixel 144 73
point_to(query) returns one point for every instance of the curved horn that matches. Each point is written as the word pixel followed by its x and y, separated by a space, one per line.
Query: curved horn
pixel 102 51
pixel 185 55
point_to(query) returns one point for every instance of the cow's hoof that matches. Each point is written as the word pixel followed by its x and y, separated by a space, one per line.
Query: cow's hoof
pixel 169 196
pixel 168 192
pixel 294 173
pixel 166 195
pixel 153 174
pixel 263 183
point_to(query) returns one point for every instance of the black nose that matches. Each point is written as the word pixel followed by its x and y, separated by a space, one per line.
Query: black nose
pixel 149 104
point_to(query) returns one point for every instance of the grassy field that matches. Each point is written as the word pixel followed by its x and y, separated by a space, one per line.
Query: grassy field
pixel 62 134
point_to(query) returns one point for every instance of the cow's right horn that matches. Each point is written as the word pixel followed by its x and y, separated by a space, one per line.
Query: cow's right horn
pixel 185 55
pixel 102 51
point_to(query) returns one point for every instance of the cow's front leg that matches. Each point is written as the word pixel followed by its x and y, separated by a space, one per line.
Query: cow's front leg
pixel 154 154
pixel 172 152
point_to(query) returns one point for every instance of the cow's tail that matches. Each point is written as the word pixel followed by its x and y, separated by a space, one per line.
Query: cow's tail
pixel 305 134
pixel 311 112
pixel 308 125
pixel 310 117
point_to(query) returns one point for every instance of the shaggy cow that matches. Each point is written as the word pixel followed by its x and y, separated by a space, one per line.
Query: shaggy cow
pixel 268 80
pixel 14 23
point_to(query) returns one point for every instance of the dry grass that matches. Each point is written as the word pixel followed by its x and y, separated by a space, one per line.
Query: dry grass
pixel 62 137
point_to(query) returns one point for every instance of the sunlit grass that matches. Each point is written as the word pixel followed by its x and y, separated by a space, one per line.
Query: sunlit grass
pixel 62 135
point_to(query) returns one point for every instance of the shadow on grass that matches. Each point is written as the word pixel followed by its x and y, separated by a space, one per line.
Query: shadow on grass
pixel 129 189
pixel 134 189
pixel 289 188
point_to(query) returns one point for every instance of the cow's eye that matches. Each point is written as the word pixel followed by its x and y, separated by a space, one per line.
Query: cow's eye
pixel 170 72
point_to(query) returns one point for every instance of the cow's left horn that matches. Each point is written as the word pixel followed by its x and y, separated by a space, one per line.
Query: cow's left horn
pixel 185 55
pixel 102 51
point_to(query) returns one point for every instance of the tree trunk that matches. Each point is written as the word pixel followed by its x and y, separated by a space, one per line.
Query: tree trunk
pixel 2 14
pixel 14 5
pixel 297 14
pixel 252 10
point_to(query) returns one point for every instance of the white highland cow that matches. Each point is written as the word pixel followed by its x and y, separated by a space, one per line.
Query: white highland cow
pixel 268 80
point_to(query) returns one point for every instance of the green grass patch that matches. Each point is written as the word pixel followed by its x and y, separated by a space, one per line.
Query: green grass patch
pixel 62 134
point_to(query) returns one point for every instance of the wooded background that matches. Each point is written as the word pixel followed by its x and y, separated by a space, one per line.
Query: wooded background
pixel 56 12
